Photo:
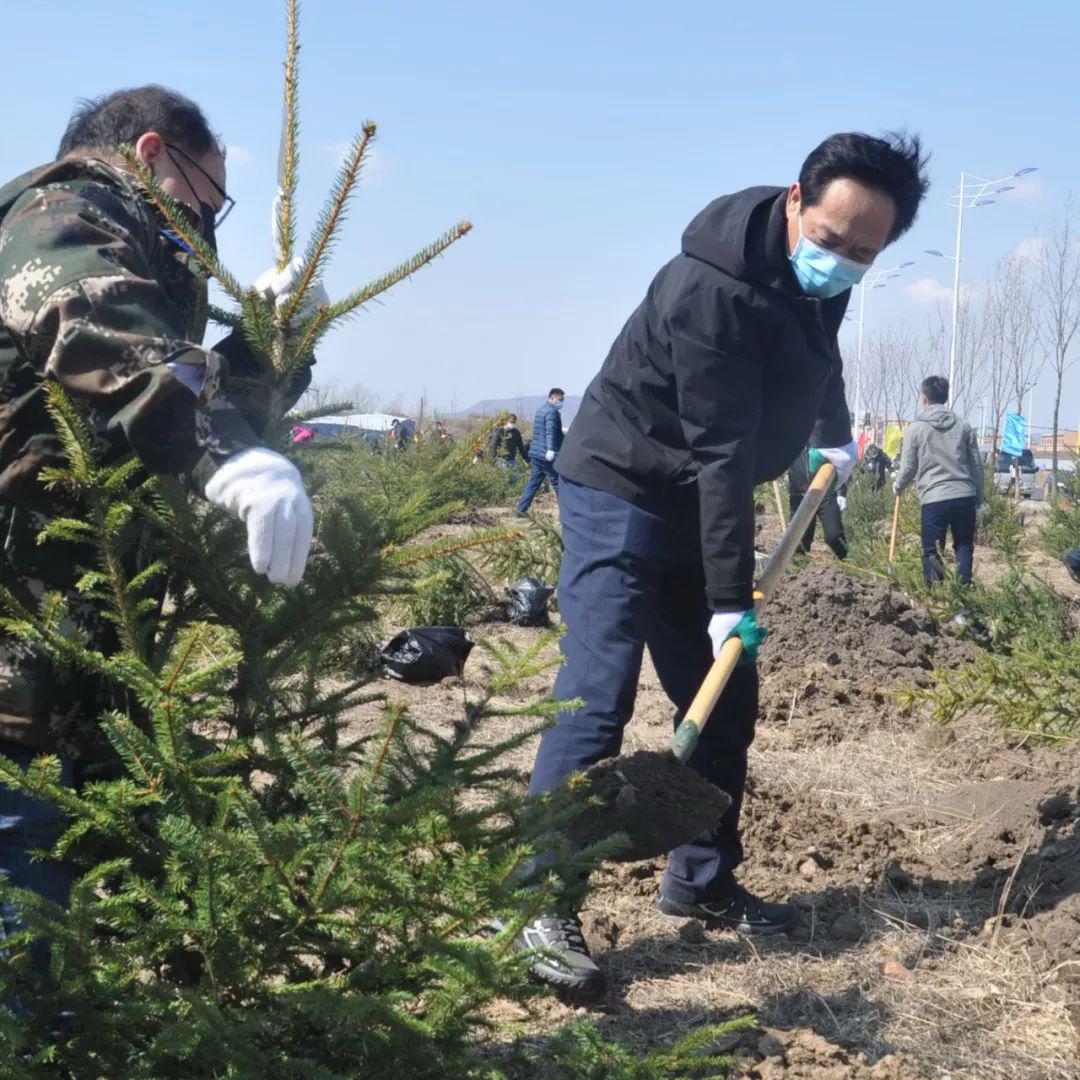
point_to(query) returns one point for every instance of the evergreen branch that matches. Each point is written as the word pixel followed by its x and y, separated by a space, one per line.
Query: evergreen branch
pixel 350 304
pixel 178 221
pixel 330 220
pixel 289 153
pixel 232 319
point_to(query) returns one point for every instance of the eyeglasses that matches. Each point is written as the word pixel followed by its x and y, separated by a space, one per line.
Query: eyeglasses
pixel 227 201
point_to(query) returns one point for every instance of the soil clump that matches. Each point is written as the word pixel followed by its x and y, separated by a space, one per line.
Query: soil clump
pixel 650 797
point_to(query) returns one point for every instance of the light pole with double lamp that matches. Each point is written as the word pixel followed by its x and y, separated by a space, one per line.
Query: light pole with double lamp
pixel 974 191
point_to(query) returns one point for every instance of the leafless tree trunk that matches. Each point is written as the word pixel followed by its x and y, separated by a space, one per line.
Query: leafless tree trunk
pixel 1057 283
pixel 970 374
pixel 1013 360
pixel 331 395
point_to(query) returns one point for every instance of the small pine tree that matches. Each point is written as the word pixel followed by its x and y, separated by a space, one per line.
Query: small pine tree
pixel 258 895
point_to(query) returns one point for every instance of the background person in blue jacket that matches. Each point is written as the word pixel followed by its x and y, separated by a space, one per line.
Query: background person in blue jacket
pixel 547 440
pixel 718 380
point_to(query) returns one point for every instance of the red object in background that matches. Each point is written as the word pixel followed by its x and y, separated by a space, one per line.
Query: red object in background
pixel 301 434
pixel 862 443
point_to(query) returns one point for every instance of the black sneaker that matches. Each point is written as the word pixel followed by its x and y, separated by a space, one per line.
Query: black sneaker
pixel 564 961
pixel 738 911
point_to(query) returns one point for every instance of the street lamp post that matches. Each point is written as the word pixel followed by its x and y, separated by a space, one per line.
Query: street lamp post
pixel 878 279
pixel 970 196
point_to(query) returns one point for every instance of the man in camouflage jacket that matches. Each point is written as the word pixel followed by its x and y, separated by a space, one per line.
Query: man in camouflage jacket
pixel 98 296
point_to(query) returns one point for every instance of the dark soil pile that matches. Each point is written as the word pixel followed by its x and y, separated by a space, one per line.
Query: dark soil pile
pixel 773 1054
pixel 1020 850
pixel 650 797
pixel 836 642
pixel 795 836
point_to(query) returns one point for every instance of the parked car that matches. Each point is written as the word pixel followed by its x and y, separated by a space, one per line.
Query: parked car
pixel 1005 473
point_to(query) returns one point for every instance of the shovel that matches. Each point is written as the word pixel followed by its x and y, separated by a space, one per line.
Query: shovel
pixel 656 799
pixel 892 537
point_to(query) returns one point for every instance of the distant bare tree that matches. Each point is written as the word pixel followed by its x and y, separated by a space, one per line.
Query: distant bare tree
pixel 897 371
pixel 969 376
pixel 328 394
pixel 1010 325
pixel 1057 284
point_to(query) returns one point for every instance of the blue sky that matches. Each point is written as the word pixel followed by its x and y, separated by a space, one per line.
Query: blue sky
pixel 578 137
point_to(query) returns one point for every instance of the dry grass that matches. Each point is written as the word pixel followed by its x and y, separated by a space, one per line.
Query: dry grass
pixel 973 1007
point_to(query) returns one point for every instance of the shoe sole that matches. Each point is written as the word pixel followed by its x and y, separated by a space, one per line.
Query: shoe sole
pixel 570 989
pixel 720 922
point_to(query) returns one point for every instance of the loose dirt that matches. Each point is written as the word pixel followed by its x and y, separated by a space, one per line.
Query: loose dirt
pixel 937 870
pixel 652 799
pixel 838 646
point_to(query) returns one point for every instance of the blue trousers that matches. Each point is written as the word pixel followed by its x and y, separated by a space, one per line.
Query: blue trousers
pixel 27 824
pixel 632 577
pixel 938 518
pixel 541 470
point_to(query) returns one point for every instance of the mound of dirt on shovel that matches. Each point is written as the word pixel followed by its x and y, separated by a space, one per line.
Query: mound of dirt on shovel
pixel 836 643
pixel 650 797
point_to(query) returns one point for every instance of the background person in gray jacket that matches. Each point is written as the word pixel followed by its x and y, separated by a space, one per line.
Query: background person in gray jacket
pixel 941 454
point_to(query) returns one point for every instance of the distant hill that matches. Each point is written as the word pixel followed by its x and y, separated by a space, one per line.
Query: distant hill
pixel 525 407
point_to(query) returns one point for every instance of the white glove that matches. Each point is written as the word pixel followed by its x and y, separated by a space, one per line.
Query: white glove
pixel 841 501
pixel 264 491
pixel 279 285
pixel 720 627
pixel 896 487
pixel 550 455
pixel 843 458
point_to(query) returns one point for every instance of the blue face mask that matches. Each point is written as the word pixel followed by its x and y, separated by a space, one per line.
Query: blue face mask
pixel 558 405
pixel 823 273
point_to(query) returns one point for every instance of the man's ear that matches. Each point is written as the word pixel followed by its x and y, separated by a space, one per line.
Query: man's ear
pixel 149 147
pixel 794 200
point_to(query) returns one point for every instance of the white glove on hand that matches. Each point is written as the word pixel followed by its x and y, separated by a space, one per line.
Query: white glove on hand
pixel 720 627
pixel 264 491
pixel 841 501
pixel 896 488
pixel 843 458
pixel 279 284
pixel 550 455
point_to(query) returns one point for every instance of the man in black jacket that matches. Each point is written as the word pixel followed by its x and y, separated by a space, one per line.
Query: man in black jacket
pixel 715 384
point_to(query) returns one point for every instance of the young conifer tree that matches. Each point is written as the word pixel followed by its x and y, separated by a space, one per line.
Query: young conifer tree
pixel 259 894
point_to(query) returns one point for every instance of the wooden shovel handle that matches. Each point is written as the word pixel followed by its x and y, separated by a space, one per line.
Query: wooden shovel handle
pixel 701 708
pixel 895 526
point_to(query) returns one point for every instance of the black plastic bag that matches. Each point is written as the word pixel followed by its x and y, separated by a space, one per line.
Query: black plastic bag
pixel 426 654
pixel 528 604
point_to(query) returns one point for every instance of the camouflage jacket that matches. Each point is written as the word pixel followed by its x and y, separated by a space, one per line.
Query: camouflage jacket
pixel 94 296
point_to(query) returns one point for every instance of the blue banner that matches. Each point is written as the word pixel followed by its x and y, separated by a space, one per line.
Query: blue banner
pixel 1014 439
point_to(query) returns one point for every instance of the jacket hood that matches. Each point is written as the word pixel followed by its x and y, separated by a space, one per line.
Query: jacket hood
pixel 940 417
pixel 744 235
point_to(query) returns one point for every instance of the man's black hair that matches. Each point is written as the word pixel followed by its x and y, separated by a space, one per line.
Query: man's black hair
pixel 935 388
pixel 122 116
pixel 555 390
pixel 894 163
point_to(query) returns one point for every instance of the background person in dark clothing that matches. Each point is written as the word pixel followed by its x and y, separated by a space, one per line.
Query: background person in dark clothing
pixel 798 477
pixel 547 440
pixel 941 455
pixel 715 384
pixel 877 463
pixel 505 443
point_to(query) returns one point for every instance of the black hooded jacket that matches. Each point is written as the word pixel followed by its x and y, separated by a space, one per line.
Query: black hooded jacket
pixel 717 381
